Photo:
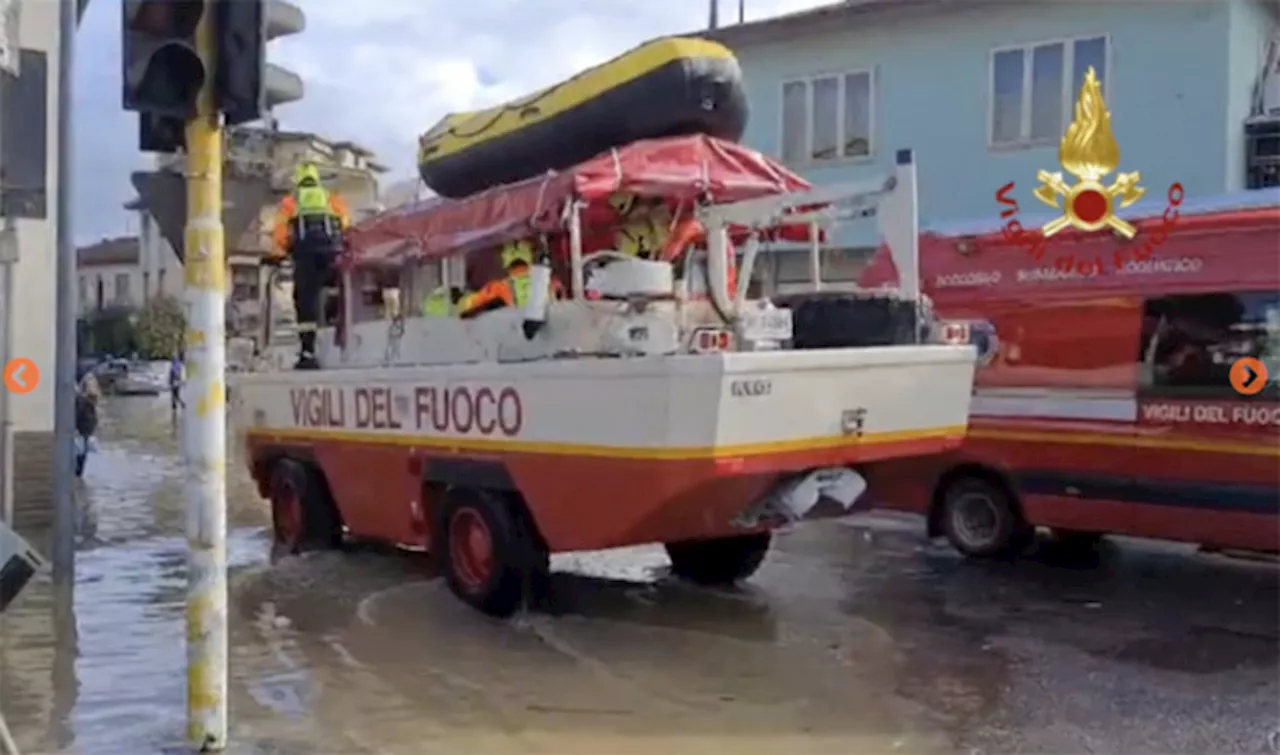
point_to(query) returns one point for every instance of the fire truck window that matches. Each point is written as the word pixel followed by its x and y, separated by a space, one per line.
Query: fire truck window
pixel 1189 342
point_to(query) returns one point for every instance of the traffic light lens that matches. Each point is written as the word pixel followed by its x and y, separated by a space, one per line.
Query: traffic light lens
pixel 173 79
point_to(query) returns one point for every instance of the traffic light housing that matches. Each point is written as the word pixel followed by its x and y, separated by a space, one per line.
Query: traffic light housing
pixel 163 72
pixel 247 86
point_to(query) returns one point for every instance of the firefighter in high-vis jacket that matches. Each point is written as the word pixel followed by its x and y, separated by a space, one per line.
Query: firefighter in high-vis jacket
pixel 309 225
pixel 645 226
pixel 511 290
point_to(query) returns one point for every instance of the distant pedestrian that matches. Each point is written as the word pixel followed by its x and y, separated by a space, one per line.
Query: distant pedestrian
pixel 176 378
pixel 86 419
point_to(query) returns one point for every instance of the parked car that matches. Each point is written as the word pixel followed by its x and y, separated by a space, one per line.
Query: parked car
pixel 144 379
pixel 125 378
pixel 109 372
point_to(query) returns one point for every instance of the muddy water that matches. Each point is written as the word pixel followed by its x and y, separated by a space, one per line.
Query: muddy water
pixel 850 640
pixel 366 652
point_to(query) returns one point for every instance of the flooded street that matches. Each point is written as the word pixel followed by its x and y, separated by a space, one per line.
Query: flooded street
pixel 855 637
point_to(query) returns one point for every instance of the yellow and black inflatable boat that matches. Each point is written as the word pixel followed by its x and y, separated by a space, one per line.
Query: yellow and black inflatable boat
pixel 668 87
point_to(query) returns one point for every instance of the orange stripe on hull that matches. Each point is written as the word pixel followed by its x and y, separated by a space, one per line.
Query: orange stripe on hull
pixel 580 501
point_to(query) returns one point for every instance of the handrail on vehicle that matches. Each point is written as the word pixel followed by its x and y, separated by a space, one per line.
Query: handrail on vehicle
pixel 893 200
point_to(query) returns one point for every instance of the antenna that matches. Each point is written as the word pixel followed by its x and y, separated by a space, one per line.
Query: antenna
pixel 742 11
pixel 713 22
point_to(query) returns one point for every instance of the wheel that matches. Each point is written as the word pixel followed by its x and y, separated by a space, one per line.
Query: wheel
pixel 982 520
pixel 488 550
pixel 303 514
pixel 719 561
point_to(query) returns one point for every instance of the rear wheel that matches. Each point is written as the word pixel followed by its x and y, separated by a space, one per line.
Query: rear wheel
pixel 490 556
pixel 719 561
pixel 983 520
pixel 303 515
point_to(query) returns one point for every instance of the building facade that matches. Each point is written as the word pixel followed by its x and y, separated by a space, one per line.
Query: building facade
pixel 29 160
pixel 983 92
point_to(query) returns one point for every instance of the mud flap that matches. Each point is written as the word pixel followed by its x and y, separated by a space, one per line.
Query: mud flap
pixel 832 491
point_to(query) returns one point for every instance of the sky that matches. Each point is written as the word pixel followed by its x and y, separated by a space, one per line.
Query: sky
pixel 379 73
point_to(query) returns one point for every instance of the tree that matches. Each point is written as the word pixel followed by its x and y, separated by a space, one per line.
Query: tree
pixel 161 327
pixel 110 331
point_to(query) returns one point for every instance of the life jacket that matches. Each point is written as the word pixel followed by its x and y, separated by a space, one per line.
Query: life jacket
pixel 438 303
pixel 644 235
pixel 314 219
pixel 521 285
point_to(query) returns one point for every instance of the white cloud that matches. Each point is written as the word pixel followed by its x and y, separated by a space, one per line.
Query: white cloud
pixel 380 72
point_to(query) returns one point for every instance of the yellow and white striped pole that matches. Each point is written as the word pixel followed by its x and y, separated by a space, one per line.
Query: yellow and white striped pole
pixel 204 427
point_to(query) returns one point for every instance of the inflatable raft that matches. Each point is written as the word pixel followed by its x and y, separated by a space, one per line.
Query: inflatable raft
pixel 668 87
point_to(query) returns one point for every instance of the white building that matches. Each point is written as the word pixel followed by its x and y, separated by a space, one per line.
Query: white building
pixel 30 162
pixel 122 272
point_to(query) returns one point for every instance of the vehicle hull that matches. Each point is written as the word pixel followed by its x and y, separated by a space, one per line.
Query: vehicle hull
pixel 604 452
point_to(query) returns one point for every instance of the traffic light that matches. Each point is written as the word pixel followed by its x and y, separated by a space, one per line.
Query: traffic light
pixel 247 85
pixel 163 73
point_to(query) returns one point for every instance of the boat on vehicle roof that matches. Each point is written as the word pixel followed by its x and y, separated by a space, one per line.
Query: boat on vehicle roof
pixel 666 87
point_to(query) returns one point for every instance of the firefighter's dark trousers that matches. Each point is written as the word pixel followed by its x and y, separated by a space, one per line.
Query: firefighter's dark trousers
pixel 313 269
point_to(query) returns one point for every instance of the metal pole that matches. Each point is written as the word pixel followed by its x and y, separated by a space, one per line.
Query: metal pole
pixel 8 262
pixel 64 390
pixel 205 421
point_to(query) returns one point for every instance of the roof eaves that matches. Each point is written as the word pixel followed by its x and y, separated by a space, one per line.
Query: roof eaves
pixel 824 19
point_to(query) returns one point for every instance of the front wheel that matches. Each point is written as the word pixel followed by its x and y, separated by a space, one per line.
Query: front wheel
pixel 719 561
pixel 983 520
pixel 303 515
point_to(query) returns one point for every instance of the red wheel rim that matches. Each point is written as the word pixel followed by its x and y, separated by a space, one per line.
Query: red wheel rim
pixel 470 549
pixel 287 512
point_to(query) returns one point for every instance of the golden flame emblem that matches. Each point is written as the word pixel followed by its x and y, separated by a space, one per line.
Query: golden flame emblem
pixel 1089 152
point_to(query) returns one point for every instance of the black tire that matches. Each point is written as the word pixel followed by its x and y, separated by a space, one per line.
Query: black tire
pixel 719 561
pixel 981 519
pixel 299 490
pixel 839 320
pixel 517 563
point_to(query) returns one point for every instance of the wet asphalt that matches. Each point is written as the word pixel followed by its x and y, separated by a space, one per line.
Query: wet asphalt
pixel 857 637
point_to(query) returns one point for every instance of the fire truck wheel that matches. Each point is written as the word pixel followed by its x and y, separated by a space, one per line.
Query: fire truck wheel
pixel 303 514
pixel 982 520
pixel 719 561
pixel 490 556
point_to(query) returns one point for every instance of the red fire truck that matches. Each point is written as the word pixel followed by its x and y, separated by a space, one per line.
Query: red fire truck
pixel 1105 400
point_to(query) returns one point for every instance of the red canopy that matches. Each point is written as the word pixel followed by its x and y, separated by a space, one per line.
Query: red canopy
pixel 676 169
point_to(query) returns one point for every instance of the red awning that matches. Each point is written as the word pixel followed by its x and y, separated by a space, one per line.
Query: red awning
pixel 678 169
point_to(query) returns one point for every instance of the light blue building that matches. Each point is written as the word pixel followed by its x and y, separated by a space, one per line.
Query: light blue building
pixel 983 91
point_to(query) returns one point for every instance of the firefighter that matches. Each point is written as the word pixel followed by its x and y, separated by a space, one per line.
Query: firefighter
pixel 511 290
pixel 308 228
pixel 644 226
pixel 648 228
